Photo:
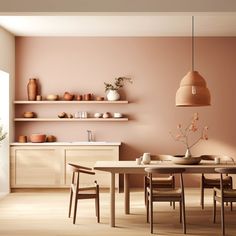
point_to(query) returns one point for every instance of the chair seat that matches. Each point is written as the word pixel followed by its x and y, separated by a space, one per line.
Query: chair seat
pixel 228 193
pixel 166 192
pixel 216 181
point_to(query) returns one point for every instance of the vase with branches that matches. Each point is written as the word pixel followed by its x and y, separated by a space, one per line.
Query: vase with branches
pixel 112 89
pixel 183 134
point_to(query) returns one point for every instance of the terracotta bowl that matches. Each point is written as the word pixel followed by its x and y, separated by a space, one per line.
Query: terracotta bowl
pixel 37 138
pixel 51 138
pixel 181 160
pixel 29 114
pixel 68 97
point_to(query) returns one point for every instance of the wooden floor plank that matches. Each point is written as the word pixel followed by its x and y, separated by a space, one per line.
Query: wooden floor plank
pixel 45 213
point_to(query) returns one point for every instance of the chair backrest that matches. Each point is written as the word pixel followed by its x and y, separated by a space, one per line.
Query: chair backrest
pixel 165 170
pixel 223 158
pixel 229 170
pixel 76 170
pixel 81 169
pixel 161 157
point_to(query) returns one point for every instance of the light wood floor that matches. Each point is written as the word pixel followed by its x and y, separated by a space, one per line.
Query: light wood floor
pixel 45 213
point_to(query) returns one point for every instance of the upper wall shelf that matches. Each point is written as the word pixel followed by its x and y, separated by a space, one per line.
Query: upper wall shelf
pixel 72 119
pixel 71 102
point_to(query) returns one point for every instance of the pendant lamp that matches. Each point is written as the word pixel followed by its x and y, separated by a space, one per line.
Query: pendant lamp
pixel 193 91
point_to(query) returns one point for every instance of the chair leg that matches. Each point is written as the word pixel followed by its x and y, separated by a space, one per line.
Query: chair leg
pixel 231 206
pixel 145 190
pixel 147 210
pixel 214 207
pixel 70 204
pixel 184 217
pixel 151 216
pixel 222 218
pixel 98 205
pixel 202 197
pixel 174 205
pixel 180 212
pixel 75 208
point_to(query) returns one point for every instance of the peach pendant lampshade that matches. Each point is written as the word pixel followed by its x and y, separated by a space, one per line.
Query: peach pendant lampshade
pixel 193 91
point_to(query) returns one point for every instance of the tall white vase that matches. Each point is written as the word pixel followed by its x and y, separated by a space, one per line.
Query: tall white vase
pixel 113 95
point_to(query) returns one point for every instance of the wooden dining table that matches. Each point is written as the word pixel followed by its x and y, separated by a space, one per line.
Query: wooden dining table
pixel 130 167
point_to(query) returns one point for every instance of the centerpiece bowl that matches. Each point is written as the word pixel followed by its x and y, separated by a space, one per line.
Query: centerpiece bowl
pixel 181 160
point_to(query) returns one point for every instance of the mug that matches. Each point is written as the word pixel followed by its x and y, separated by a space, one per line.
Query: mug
pixel 138 161
pixel 217 160
pixel 22 139
pixel 146 158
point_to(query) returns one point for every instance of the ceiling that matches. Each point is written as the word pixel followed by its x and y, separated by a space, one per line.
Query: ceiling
pixel 120 25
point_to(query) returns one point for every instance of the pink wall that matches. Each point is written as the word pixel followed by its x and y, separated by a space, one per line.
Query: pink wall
pixel 81 65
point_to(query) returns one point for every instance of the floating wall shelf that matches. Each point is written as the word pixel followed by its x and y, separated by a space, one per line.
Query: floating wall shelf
pixel 72 119
pixel 70 102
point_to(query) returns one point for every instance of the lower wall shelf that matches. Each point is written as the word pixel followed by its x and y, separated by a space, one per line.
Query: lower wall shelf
pixel 73 119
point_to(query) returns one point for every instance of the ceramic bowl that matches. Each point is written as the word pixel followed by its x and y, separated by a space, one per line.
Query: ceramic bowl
pixel 37 138
pixel 98 115
pixel 181 160
pixel 68 97
pixel 51 138
pixel 29 114
pixel 52 97
pixel 117 115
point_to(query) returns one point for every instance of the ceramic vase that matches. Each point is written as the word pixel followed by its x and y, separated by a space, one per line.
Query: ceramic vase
pixel 113 95
pixel 188 153
pixel 32 89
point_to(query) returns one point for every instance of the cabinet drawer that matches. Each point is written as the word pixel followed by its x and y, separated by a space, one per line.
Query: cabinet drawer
pixel 36 167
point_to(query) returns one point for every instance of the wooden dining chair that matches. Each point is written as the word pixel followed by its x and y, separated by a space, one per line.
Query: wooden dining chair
pixel 82 192
pixel 223 195
pixel 165 194
pixel 160 182
pixel 210 183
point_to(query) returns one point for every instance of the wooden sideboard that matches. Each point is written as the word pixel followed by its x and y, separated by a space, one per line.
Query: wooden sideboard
pixel 45 165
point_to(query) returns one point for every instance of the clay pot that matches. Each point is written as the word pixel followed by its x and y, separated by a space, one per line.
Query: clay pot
pixel 32 89
pixel 98 98
pixel 68 97
pixel 37 138
pixel 88 97
pixel 22 139
pixel 51 138
pixel 106 115
pixel 79 97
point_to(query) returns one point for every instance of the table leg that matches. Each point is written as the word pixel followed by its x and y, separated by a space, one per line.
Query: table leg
pixel 127 193
pixel 112 199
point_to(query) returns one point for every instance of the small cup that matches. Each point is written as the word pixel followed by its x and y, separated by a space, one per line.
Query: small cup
pixel 138 161
pixel 22 139
pixel 38 98
pixel 217 160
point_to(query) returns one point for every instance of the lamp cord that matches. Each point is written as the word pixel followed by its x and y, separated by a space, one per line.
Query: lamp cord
pixel 192 43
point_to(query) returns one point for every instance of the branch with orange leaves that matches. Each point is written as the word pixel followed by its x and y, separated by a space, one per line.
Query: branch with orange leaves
pixel 183 133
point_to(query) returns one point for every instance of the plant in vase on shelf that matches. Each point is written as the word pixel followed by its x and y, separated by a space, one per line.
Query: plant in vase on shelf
pixel 184 133
pixel 112 89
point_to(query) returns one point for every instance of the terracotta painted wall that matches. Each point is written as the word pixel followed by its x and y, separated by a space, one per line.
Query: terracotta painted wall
pixel 81 65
